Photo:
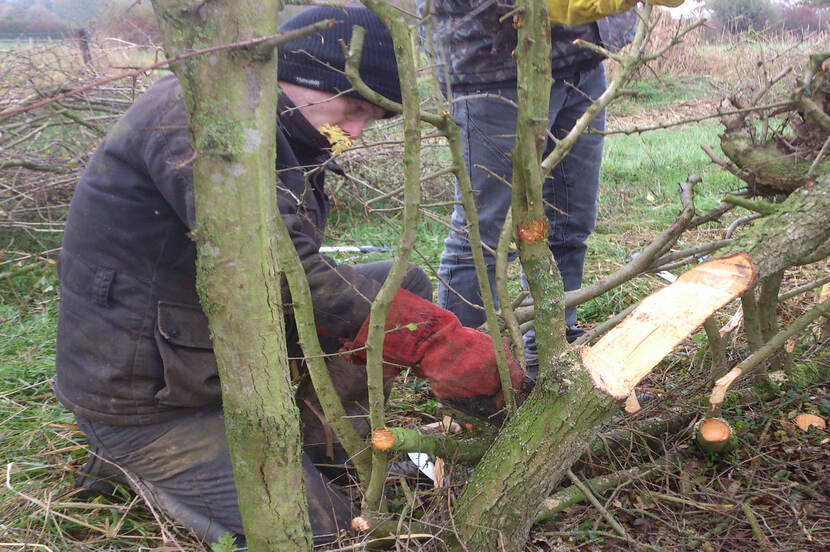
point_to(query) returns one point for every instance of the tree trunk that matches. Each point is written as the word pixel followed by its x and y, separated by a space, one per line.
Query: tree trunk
pixel 231 98
pixel 553 427
pixel 773 171
pixel 800 227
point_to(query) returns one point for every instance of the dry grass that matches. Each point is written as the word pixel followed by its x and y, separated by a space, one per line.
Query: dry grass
pixel 728 58
pixel 695 503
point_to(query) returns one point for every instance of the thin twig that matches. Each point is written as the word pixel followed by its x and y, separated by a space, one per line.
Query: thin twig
pixel 271 41
pixel 593 500
pixel 759 535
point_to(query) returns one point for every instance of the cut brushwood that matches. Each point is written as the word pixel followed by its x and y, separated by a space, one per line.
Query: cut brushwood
pixel 574 395
pixel 626 354
pixel 756 359
pixel 572 495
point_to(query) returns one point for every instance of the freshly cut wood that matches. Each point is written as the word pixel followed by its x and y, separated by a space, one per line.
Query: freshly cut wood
pixel 734 322
pixel 632 405
pixel 627 353
pixel 757 358
pixel 722 386
pixel 438 445
pixel 447 426
pixel 382 438
pixel 438 473
pixel 714 435
pixel 806 421
pixel 361 524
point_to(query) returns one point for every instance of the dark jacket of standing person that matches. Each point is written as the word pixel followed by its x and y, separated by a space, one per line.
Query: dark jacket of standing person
pixel 475 41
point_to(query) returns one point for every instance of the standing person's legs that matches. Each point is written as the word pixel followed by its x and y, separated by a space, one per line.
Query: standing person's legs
pixel 570 191
pixel 488 126
pixel 572 188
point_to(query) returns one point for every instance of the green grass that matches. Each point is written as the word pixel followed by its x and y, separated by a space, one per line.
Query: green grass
pixel 638 198
pixel 42 449
pixel 39 437
pixel 644 171
pixel 23 43
pixel 651 93
pixel 27 368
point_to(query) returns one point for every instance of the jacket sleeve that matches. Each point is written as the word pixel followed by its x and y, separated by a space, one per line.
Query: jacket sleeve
pixel 575 12
pixel 168 150
pixel 341 296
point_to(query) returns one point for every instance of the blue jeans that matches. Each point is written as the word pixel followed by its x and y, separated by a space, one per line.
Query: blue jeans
pixel 488 127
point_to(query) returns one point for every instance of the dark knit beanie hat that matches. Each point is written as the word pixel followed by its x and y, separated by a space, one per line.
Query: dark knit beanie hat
pixel 316 60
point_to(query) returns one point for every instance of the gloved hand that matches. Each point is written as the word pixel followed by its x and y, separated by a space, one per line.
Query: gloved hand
pixel 458 361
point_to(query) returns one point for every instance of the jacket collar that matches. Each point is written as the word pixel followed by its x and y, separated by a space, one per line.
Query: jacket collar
pixel 299 131
pixel 312 147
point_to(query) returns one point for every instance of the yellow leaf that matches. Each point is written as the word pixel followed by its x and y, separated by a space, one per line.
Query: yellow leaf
pixel 339 140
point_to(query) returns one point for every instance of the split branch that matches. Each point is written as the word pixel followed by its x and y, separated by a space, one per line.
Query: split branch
pixel 756 359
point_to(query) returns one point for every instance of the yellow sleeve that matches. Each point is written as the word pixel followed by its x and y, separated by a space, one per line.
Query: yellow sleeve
pixel 574 12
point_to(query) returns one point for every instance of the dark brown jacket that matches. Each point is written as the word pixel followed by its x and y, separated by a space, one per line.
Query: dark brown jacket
pixel 133 344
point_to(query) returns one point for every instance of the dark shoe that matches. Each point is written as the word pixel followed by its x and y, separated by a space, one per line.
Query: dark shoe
pixel 195 519
pixel 572 333
pixel 404 468
pixel 98 478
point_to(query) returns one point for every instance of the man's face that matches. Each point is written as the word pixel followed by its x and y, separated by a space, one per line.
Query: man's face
pixel 324 108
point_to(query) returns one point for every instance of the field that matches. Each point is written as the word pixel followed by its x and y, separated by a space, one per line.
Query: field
pixel 772 492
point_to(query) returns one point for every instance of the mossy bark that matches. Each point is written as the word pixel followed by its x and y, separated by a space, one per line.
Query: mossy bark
pixel 551 430
pixel 497 507
pixel 773 171
pixel 528 213
pixel 231 99
pixel 403 38
pixel 548 434
pixel 553 427
pixel 459 450
pixel 801 226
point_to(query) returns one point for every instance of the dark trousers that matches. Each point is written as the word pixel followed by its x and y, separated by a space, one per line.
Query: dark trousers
pixel 184 465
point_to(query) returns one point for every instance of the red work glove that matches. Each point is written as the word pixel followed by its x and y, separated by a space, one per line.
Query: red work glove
pixel 459 361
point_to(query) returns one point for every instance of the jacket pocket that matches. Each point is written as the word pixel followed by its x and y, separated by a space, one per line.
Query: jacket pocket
pixel 191 378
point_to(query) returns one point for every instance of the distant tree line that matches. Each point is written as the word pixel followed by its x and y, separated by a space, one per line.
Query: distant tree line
pixel 11 28
pixel 125 19
pixel 800 16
